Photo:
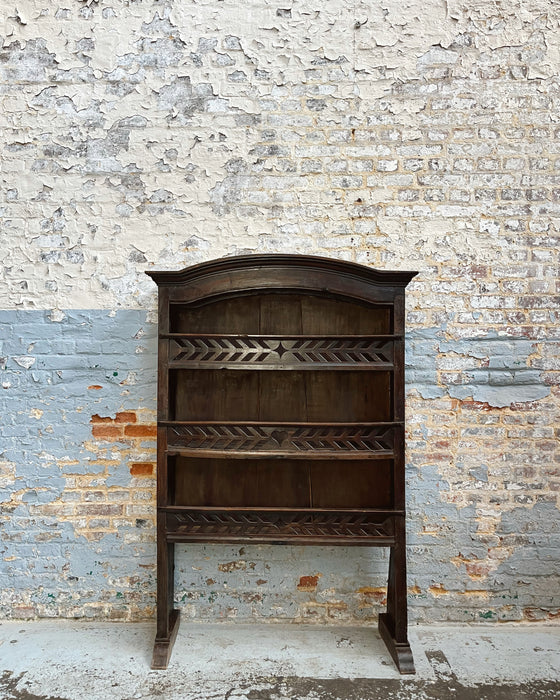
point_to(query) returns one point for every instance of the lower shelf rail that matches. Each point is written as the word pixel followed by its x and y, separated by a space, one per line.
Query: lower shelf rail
pixel 281 525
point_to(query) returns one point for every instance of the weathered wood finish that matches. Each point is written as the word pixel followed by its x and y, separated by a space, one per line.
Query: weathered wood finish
pixel 310 451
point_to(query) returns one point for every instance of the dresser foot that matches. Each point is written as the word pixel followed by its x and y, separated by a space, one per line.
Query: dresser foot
pixel 400 651
pixel 163 647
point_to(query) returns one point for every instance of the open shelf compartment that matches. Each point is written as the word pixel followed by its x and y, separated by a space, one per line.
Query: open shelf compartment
pixel 276 483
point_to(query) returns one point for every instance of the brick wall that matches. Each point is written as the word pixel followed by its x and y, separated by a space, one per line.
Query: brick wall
pixel 158 134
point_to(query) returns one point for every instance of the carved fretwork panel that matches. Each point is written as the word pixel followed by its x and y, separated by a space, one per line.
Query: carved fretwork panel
pixel 265 525
pixel 275 352
pixel 283 438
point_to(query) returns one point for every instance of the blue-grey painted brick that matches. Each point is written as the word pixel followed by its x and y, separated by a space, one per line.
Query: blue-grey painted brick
pixel 60 393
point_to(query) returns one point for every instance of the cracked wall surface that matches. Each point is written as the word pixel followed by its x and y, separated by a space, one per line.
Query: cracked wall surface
pixel 155 134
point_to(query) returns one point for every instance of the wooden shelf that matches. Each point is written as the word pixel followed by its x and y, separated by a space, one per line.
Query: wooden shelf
pixel 379 512
pixel 309 336
pixel 279 454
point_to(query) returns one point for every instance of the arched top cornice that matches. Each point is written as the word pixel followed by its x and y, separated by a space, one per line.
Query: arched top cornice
pixel 297 271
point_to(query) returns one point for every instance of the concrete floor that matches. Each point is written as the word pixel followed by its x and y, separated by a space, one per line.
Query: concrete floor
pixel 65 660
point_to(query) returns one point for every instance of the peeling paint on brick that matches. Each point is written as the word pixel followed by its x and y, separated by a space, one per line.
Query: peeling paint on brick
pixel 157 135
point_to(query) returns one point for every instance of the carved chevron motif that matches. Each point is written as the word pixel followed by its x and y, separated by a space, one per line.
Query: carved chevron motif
pixel 280 523
pixel 268 350
pixel 285 438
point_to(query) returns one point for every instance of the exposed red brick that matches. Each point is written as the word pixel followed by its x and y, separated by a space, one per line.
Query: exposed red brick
pixel 308 583
pixel 101 419
pixel 126 417
pixel 140 431
pixel 95 387
pixel 142 469
pixel 107 432
pixel 376 593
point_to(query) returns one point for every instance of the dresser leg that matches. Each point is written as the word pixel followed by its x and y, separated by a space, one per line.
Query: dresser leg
pixel 400 651
pixel 164 646
pixel 393 625
pixel 167 617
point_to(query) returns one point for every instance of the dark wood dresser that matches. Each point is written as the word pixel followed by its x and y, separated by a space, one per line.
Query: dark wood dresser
pixel 281 415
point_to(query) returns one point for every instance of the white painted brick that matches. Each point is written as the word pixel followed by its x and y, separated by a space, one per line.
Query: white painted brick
pixel 139 136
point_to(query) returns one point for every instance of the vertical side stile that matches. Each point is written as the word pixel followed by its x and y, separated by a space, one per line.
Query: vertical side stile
pixel 399 400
